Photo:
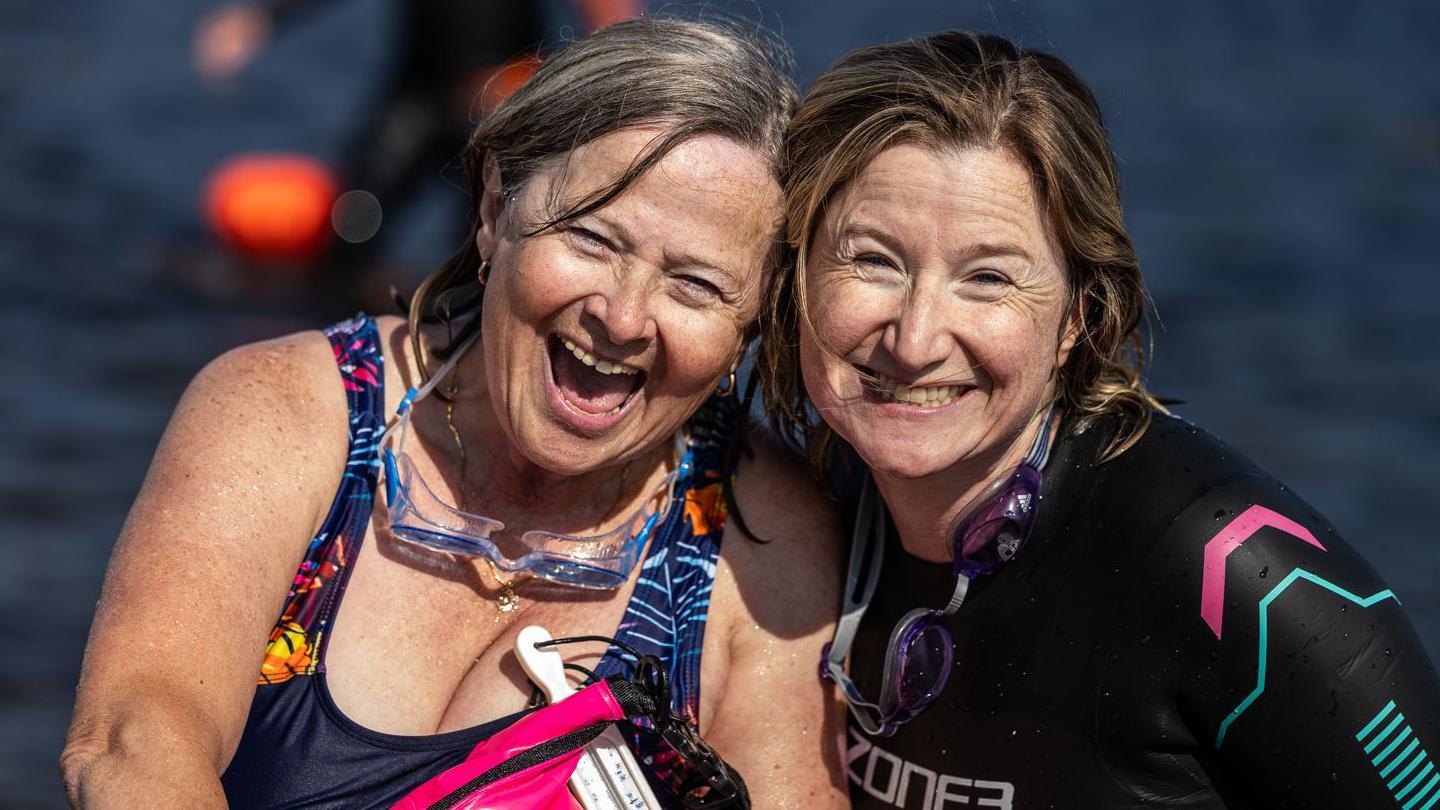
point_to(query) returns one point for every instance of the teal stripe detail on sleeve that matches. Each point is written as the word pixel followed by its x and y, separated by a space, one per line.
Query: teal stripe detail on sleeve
pixel 1424 772
pixel 1405 774
pixel 1423 793
pixel 1369 727
pixel 1384 755
pixel 1404 755
pixel 1375 743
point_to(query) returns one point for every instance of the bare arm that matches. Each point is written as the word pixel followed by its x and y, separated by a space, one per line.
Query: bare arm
pixel 775 719
pixel 199 574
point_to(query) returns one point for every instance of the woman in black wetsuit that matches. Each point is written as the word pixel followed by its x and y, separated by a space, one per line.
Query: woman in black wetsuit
pixel 1153 621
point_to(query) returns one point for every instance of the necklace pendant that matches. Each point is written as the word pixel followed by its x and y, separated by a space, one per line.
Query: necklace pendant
pixel 507 600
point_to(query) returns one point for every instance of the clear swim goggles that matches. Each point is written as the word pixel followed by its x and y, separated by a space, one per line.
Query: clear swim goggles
pixel 600 561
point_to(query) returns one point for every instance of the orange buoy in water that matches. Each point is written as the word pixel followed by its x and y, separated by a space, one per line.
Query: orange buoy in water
pixel 272 207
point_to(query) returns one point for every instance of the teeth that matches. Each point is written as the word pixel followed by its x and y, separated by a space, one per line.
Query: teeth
pixel 602 366
pixel 926 396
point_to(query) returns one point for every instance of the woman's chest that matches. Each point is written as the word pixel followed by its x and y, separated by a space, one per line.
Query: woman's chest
pixel 424 644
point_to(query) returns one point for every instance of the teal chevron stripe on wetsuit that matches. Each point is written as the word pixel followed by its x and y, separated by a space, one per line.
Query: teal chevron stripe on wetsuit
pixel 1264 654
pixel 1180 630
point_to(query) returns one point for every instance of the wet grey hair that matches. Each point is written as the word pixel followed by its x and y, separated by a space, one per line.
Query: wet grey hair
pixel 686 77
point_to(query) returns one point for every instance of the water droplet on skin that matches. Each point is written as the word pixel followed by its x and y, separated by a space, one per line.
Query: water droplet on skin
pixel 1265 572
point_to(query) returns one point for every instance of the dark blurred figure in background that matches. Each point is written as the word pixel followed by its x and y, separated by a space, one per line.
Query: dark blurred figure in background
pixel 456 60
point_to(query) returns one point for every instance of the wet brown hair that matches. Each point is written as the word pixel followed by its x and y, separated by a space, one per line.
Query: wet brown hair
pixel 686 77
pixel 958 90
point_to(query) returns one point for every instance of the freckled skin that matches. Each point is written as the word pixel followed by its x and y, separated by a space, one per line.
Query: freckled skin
pixel 936 268
pixel 630 296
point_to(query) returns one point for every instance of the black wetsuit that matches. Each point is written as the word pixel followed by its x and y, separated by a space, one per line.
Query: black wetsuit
pixel 1108 666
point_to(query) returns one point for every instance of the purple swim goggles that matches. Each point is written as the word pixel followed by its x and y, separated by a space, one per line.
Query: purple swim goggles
pixel 920 652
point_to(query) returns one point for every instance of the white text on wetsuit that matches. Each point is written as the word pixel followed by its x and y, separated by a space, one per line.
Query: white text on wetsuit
pixel 895 781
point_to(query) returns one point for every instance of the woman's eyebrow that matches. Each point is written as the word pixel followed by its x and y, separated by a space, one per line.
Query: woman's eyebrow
pixel 685 258
pixel 613 230
pixel 853 230
pixel 990 250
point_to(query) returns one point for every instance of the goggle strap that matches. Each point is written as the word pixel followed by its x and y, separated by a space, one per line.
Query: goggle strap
pixel 414 395
pixel 867 714
pixel 957 598
pixel 407 400
pixel 442 372
pixel 867 548
pixel 1040 450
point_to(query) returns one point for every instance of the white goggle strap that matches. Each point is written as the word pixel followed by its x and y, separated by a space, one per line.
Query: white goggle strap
pixel 867 551
pixel 1040 450
pixel 401 419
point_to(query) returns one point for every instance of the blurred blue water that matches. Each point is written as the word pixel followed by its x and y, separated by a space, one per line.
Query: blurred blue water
pixel 1282 172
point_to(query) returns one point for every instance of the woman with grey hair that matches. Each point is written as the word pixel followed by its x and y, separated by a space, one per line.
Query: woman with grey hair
pixel 562 458
pixel 1060 595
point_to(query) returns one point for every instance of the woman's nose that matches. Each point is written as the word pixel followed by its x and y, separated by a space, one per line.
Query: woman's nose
pixel 919 337
pixel 621 312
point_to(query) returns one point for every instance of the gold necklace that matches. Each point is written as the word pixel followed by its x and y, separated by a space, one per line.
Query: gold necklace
pixel 507 601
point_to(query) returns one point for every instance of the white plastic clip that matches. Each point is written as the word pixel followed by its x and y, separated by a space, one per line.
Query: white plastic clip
pixel 607 777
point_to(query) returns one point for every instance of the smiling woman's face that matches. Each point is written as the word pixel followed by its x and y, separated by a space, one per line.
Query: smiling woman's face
pixel 934 273
pixel 604 334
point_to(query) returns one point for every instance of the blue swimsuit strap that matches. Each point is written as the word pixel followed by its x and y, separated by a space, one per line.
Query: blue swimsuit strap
pixel 362 369
pixel 667 612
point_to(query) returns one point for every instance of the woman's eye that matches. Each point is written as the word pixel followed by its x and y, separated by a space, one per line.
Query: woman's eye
pixel 986 285
pixel 589 241
pixel 873 260
pixel 699 287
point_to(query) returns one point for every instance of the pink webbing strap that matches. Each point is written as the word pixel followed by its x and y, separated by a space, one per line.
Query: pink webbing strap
pixel 540 787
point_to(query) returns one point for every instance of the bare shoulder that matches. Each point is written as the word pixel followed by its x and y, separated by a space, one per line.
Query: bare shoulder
pixel 252 454
pixel 243 475
pixel 779 597
pixel 291 377
pixel 787 574
pixel 261 434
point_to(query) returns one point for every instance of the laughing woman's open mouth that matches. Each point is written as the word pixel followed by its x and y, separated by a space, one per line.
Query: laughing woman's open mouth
pixel 593 392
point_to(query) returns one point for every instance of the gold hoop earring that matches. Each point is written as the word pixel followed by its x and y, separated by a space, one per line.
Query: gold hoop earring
pixel 726 386
pixel 484 274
